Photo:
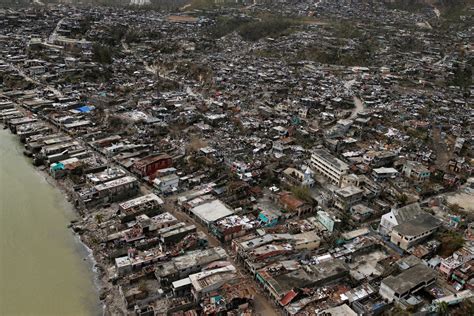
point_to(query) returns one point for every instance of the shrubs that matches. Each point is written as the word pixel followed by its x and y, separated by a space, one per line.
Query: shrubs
pixel 450 242
pixel 302 193
pixel 102 53
pixel 226 25
pixel 462 76
pixel 252 30
pixel 362 55
pixel 270 27
pixel 407 5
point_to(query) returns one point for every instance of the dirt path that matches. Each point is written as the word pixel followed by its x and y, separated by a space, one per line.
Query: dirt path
pixel 184 7
pixel 359 107
pixel 262 304
pixel 442 153
pixel 30 79
pixel 183 217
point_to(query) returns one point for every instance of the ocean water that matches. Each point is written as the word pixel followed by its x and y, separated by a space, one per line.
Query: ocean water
pixel 43 266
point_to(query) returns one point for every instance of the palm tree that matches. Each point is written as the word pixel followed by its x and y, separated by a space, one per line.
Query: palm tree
pixel 442 308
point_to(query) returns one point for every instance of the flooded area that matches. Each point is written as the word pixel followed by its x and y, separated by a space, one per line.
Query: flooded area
pixel 44 269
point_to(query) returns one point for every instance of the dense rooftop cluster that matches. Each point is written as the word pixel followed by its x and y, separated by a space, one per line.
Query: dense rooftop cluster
pixel 256 158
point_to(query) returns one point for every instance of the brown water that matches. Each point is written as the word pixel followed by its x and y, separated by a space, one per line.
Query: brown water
pixel 43 270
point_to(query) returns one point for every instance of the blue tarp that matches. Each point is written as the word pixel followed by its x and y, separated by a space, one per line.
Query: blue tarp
pixel 57 166
pixel 85 109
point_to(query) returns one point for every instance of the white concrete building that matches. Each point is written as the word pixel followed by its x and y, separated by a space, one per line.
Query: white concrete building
pixel 412 232
pixel 211 211
pixel 406 283
pixel 323 162
pixel 348 196
pixel 398 216
pixel 139 2
pixel 166 183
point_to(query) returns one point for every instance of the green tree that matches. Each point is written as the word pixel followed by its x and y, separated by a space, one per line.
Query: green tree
pixel 269 27
pixel 403 199
pixel 455 208
pixel 462 76
pixel 442 308
pixel 450 242
pixel 465 308
pixel 102 53
pixel 398 311
pixel 302 193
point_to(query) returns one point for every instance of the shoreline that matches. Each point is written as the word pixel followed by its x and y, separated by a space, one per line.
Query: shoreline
pixel 84 251
pixel 93 265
